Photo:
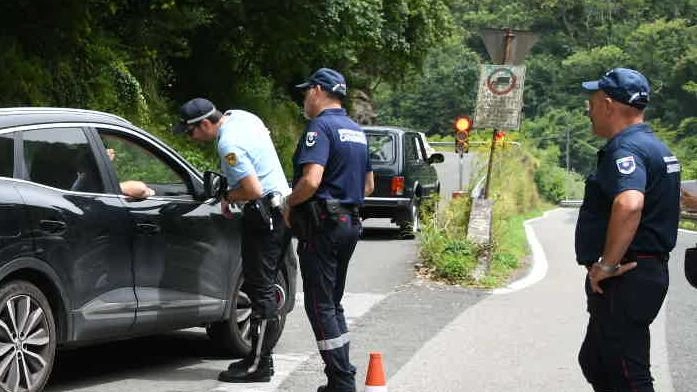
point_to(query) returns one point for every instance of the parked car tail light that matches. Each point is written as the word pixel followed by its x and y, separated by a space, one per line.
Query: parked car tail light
pixel 397 185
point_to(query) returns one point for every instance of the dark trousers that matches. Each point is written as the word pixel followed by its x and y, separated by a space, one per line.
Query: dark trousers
pixel 324 260
pixel 262 254
pixel 614 356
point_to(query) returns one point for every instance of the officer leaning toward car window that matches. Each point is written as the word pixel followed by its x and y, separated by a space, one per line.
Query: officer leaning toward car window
pixel 255 176
pixel 626 227
pixel 332 175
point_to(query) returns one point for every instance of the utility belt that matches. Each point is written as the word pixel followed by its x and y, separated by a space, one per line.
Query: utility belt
pixel 259 213
pixel 307 218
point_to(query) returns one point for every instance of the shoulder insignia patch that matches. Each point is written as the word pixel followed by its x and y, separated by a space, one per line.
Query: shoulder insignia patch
pixel 231 159
pixel 626 165
pixel 311 138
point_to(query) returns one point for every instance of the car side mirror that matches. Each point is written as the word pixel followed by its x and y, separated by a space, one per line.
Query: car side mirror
pixel 214 185
pixel 436 157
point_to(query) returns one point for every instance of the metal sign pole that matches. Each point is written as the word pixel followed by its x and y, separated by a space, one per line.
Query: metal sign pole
pixel 462 170
pixel 506 56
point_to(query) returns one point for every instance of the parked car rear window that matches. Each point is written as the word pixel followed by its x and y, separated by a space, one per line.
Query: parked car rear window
pixel 7 154
pixel 61 158
pixel 381 147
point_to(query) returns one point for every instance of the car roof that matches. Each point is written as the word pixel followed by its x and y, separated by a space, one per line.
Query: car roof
pixel 12 117
pixel 388 128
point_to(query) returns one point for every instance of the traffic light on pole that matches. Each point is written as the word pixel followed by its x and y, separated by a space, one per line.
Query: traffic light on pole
pixel 463 125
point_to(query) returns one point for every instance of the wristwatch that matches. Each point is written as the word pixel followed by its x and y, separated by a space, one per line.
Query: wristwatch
pixel 607 268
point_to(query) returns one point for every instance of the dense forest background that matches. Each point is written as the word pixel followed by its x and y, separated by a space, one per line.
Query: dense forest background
pixel 409 62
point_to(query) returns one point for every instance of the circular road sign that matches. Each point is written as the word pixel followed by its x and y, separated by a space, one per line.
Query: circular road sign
pixel 501 81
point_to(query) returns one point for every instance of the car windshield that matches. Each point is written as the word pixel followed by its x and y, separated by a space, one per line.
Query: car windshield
pixel 381 147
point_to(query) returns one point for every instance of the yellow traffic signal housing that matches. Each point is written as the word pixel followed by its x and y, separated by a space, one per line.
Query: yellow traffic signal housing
pixel 463 124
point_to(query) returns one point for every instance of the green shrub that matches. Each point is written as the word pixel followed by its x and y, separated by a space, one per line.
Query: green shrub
pixel 444 248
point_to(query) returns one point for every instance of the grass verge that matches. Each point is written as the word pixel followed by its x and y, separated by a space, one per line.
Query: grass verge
pixel 449 256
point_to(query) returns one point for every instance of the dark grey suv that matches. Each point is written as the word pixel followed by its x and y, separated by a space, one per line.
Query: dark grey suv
pixel 81 263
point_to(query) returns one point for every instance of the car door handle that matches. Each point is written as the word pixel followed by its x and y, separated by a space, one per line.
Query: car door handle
pixel 52 226
pixel 147 228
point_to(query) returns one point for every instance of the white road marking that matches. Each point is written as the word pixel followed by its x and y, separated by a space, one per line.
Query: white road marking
pixel 539 262
pixel 356 305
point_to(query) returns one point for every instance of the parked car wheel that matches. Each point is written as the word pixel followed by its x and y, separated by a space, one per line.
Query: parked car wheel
pixel 234 335
pixel 27 337
pixel 412 224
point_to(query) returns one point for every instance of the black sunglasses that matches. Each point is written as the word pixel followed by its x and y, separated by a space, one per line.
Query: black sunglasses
pixel 191 128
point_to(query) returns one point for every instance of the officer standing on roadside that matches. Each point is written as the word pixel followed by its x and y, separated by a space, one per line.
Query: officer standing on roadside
pixel 626 227
pixel 255 176
pixel 332 176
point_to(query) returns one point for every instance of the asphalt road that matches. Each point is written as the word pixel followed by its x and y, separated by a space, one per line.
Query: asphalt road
pixel 434 337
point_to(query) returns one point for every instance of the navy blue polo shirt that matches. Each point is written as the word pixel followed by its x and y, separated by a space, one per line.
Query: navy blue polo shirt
pixel 337 143
pixel 635 159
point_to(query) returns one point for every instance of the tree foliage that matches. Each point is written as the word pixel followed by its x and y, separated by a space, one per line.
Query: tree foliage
pixel 141 58
pixel 579 40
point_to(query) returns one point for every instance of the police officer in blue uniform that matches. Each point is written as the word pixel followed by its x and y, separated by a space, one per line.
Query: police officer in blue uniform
pixel 255 178
pixel 332 176
pixel 626 227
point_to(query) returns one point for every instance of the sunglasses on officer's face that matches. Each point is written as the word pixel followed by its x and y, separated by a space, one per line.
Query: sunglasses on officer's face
pixel 191 128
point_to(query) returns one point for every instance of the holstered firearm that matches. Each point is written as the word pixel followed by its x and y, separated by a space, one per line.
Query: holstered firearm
pixel 258 214
pixel 335 209
pixel 305 219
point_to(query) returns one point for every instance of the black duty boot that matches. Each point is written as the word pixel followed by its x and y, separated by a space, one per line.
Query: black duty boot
pixel 262 373
pixel 255 367
pixel 243 363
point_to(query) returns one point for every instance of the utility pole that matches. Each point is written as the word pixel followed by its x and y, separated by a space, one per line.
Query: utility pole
pixel 568 166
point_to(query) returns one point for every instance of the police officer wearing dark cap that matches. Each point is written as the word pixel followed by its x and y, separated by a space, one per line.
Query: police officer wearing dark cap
pixel 626 227
pixel 332 176
pixel 255 178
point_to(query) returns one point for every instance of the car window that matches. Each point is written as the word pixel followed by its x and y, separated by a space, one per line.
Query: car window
pixel 7 154
pixel 412 147
pixel 381 147
pixel 61 158
pixel 134 162
pixel 420 149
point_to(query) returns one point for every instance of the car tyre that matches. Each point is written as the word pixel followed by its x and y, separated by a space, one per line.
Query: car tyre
pixel 234 334
pixel 409 227
pixel 27 337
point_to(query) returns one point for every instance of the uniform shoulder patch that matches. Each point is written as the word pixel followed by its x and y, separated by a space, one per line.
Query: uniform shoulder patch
pixel 626 165
pixel 311 138
pixel 231 159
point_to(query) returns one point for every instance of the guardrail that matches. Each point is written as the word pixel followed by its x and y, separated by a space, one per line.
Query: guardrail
pixel 570 203
pixel 689 215
pixel 472 143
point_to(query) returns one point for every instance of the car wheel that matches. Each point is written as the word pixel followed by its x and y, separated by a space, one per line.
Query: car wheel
pixel 27 337
pixel 409 227
pixel 234 335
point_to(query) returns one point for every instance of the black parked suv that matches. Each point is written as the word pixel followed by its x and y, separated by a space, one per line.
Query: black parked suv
pixel 81 263
pixel 404 176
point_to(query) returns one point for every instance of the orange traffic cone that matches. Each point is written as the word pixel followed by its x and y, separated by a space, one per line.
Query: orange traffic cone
pixel 375 378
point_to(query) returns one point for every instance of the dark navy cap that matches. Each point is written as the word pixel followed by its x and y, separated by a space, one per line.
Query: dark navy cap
pixel 330 80
pixel 192 112
pixel 624 85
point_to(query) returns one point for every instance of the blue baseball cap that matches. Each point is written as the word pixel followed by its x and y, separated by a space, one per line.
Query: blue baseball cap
pixel 623 85
pixel 330 80
pixel 192 112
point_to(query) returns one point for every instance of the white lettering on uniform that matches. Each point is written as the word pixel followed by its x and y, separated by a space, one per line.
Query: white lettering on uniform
pixel 673 168
pixel 351 136
pixel 672 164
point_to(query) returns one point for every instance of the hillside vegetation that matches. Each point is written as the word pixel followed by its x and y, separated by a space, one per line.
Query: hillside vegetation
pixel 410 62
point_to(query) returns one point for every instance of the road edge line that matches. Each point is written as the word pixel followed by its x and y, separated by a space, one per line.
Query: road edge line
pixel 539 260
